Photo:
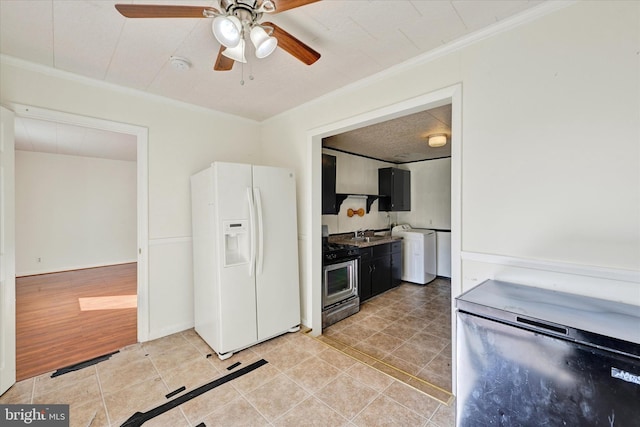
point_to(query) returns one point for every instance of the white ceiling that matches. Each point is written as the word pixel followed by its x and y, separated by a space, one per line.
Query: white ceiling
pixel 401 140
pixel 357 38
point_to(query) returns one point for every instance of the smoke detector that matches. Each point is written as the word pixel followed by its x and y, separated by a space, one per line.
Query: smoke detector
pixel 180 64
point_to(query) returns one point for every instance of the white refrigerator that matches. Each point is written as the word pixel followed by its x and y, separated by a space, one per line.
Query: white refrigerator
pixel 245 255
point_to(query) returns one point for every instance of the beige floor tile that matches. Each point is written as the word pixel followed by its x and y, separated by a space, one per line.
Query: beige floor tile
pixel 172 418
pixel 384 342
pixel 400 329
pixel 370 377
pixel 114 377
pixel 371 349
pixel 139 397
pixel 346 395
pixel 336 359
pixel 386 412
pixel 20 392
pixel 169 359
pixel 287 356
pixel 201 406
pixel 413 399
pixel 308 343
pixel 401 364
pixel 375 322
pixel 164 344
pixel 312 374
pixel 45 384
pixel 444 416
pixel 311 413
pixel 74 393
pixel 91 413
pixel 238 412
pixel 430 341
pixel 276 397
pixel 415 353
pixel 254 379
pixel 358 332
pixel 190 375
pixel 195 340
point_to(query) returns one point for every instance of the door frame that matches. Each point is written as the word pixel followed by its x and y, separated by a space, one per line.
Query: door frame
pixel 448 95
pixel 142 141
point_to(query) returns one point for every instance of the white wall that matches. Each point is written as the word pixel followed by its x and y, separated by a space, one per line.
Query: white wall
pixel 73 212
pixel 430 195
pixel 537 183
pixel 182 140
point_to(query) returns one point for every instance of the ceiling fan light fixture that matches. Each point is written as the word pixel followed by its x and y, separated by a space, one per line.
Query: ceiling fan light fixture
pixel 236 53
pixel 227 30
pixel 264 44
pixel 437 140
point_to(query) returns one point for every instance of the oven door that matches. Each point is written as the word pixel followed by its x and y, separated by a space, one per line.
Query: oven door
pixel 340 281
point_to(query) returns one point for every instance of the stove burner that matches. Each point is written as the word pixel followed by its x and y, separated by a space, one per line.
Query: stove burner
pixel 336 252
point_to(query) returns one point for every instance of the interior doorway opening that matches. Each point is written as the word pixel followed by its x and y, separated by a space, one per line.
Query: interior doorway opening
pixel 130 274
pixel 450 95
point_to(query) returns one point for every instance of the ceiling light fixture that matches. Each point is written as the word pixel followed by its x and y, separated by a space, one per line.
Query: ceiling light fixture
pixel 236 53
pixel 437 140
pixel 239 21
pixel 263 42
pixel 227 30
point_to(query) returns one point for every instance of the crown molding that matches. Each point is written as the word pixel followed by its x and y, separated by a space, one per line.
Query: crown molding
pixel 101 84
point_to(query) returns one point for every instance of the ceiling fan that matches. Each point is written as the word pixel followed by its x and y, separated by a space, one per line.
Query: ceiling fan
pixel 236 20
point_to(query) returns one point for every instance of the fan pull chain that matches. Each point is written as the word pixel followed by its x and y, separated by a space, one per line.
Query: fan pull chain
pixel 241 74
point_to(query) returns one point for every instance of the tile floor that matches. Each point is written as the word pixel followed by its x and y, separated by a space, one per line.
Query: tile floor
pixel 408 327
pixel 305 383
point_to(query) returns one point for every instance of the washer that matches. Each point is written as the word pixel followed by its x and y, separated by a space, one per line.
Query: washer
pixel 418 253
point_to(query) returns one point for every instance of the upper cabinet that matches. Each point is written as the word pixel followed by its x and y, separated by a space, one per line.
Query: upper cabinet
pixel 329 205
pixel 395 185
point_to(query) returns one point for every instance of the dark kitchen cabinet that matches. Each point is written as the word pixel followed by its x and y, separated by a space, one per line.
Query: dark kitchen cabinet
pixel 329 205
pixel 376 270
pixel 364 279
pixel 395 185
pixel 396 263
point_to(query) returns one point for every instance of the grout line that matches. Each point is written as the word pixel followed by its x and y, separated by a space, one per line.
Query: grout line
pixel 104 403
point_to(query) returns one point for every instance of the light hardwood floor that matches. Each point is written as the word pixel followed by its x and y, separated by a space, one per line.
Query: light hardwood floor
pixel 51 329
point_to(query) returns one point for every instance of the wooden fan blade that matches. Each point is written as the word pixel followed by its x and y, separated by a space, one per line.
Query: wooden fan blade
pixel 161 11
pixel 292 45
pixel 223 63
pixel 282 5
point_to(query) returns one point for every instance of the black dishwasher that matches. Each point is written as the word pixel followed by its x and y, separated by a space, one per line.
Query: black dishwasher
pixel 534 357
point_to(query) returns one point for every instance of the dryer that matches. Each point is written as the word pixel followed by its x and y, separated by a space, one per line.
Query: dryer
pixel 418 253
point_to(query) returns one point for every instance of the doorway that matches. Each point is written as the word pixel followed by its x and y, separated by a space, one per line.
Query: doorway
pixel 451 95
pixel 136 268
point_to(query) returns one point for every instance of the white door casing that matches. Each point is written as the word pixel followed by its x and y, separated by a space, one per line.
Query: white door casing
pixel 7 252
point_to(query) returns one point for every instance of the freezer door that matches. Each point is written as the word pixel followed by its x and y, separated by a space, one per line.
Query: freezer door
pixel 277 280
pixel 236 304
pixel 510 376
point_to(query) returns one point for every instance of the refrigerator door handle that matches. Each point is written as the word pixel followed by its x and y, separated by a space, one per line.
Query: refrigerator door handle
pixel 252 233
pixel 260 249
